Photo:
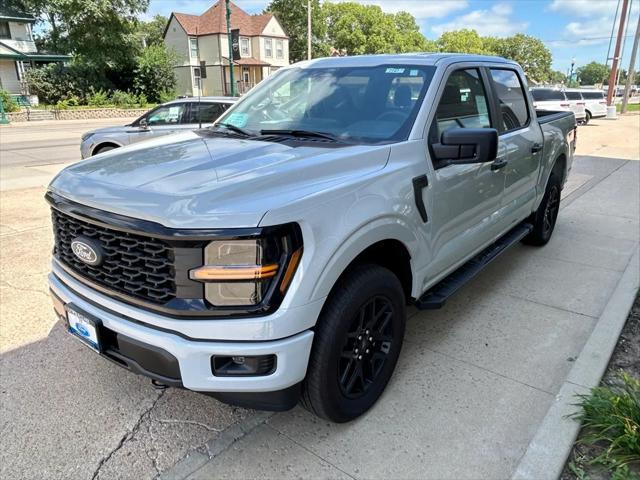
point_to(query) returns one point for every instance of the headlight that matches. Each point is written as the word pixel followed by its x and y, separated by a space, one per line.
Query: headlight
pixel 87 136
pixel 250 271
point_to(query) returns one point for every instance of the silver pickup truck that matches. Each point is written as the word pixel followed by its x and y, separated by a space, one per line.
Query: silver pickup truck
pixel 270 258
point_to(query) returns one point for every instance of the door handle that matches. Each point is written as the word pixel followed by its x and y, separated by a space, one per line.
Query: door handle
pixel 498 164
pixel 536 147
pixel 420 183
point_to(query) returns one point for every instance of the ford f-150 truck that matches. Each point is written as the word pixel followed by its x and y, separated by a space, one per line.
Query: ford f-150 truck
pixel 271 258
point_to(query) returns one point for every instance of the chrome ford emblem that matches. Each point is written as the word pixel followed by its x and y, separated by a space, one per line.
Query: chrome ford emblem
pixel 87 251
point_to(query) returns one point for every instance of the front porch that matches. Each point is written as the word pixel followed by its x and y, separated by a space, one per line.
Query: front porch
pixel 247 73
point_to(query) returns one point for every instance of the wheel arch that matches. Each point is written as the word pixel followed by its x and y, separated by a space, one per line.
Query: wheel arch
pixel 105 143
pixel 389 245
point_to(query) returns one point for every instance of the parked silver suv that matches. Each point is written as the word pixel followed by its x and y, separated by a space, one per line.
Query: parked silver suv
pixel 177 115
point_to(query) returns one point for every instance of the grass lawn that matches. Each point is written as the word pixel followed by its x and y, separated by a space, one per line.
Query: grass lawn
pixel 631 107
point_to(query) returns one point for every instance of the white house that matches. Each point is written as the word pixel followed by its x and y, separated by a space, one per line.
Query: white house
pixel 264 47
pixel 18 51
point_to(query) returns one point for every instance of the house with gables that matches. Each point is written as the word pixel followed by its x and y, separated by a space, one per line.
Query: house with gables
pixel 18 51
pixel 264 47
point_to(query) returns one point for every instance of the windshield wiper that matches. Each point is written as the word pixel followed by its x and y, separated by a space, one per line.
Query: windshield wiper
pixel 302 133
pixel 235 129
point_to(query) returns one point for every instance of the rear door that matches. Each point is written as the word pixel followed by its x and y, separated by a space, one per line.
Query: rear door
pixel 523 140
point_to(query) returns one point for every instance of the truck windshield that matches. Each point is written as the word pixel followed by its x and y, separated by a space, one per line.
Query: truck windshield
pixel 351 104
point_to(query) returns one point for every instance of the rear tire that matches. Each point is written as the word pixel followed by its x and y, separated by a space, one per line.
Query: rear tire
pixel 587 118
pixel 357 342
pixel 544 219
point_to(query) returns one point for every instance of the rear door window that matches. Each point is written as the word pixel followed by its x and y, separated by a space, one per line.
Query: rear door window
pixel 205 112
pixel 463 103
pixel 547 94
pixel 514 111
pixel 573 95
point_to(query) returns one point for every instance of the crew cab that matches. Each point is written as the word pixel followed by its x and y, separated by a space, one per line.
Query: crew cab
pixel 271 258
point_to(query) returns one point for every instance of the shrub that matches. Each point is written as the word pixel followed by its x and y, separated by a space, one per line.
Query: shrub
pixel 124 99
pixel 98 98
pixel 55 82
pixel 154 75
pixel 8 103
pixel 611 417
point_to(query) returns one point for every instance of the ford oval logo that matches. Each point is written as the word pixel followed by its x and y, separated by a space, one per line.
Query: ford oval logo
pixel 82 330
pixel 87 251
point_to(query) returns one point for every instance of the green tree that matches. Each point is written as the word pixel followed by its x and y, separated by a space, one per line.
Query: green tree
pixel 154 75
pixel 100 33
pixel 593 73
pixel 362 29
pixel 292 15
pixel 462 41
pixel 557 76
pixel 529 52
pixel 152 31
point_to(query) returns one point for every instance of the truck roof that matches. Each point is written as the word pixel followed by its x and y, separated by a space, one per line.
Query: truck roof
pixel 405 58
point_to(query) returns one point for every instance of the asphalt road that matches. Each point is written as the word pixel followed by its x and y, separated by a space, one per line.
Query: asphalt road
pixel 473 382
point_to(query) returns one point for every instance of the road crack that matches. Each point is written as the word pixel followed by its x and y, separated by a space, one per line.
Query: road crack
pixel 128 436
pixel 188 422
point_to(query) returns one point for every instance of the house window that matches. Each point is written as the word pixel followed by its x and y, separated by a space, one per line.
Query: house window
pixel 196 77
pixel 4 30
pixel 279 49
pixel 193 47
pixel 268 48
pixel 244 46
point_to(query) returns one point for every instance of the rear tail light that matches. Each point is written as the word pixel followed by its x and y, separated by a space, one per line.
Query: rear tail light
pixel 565 105
pixel 602 102
pixel 581 103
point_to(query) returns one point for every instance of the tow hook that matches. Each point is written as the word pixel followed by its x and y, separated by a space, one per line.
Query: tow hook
pixel 159 385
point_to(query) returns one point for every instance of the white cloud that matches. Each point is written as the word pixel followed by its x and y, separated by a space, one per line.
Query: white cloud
pixel 585 8
pixel 495 21
pixel 594 28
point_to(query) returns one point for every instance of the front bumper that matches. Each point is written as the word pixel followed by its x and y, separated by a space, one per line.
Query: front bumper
pixel 193 355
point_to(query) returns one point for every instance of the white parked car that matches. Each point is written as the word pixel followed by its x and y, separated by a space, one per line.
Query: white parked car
pixel 595 103
pixel 554 99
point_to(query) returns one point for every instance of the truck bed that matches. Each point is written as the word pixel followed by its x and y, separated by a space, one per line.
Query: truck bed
pixel 546 116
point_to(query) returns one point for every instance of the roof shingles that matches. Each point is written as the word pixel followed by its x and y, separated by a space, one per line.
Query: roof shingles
pixel 214 21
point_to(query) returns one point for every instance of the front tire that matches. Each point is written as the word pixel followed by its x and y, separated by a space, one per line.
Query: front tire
pixel 357 342
pixel 544 219
pixel 587 118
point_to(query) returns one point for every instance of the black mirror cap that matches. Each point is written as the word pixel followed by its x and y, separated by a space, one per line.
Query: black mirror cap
pixel 476 145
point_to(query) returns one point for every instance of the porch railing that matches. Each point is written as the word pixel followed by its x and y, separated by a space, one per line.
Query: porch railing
pixel 241 87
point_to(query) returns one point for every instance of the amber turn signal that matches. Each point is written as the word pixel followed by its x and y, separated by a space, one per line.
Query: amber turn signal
pixel 215 273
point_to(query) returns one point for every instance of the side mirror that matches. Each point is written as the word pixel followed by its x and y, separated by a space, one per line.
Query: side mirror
pixel 143 125
pixel 466 145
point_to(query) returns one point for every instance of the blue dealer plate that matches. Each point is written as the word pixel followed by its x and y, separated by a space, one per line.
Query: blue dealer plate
pixel 83 327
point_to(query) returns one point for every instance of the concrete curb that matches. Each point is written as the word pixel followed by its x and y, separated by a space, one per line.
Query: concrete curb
pixel 550 447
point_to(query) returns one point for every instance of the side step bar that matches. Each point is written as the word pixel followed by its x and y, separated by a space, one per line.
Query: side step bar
pixel 437 295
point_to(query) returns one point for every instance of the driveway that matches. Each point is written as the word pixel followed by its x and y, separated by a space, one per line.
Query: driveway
pixel 473 384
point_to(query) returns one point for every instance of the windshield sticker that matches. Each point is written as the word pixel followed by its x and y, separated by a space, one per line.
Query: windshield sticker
pixel 413 73
pixel 238 119
pixel 394 70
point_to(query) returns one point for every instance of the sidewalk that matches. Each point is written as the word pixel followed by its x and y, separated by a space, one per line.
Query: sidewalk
pixel 476 379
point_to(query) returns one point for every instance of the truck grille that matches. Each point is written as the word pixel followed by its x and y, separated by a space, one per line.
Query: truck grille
pixel 136 265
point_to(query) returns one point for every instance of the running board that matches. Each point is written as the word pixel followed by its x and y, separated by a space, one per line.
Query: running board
pixel 437 295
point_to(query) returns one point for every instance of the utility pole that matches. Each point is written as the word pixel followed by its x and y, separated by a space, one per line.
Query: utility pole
pixel 308 29
pixel 631 71
pixel 616 57
pixel 231 76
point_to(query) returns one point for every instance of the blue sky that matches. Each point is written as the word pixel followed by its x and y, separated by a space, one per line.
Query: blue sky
pixel 577 29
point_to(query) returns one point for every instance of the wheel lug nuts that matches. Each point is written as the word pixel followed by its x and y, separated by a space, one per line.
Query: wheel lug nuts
pixel 367 332
pixel 359 357
pixel 371 339
pixel 356 350
pixel 367 351
pixel 359 337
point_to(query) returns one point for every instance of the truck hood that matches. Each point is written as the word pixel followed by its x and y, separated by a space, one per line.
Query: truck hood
pixel 196 180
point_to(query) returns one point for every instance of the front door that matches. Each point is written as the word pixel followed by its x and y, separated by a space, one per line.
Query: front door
pixel 162 120
pixel 464 200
